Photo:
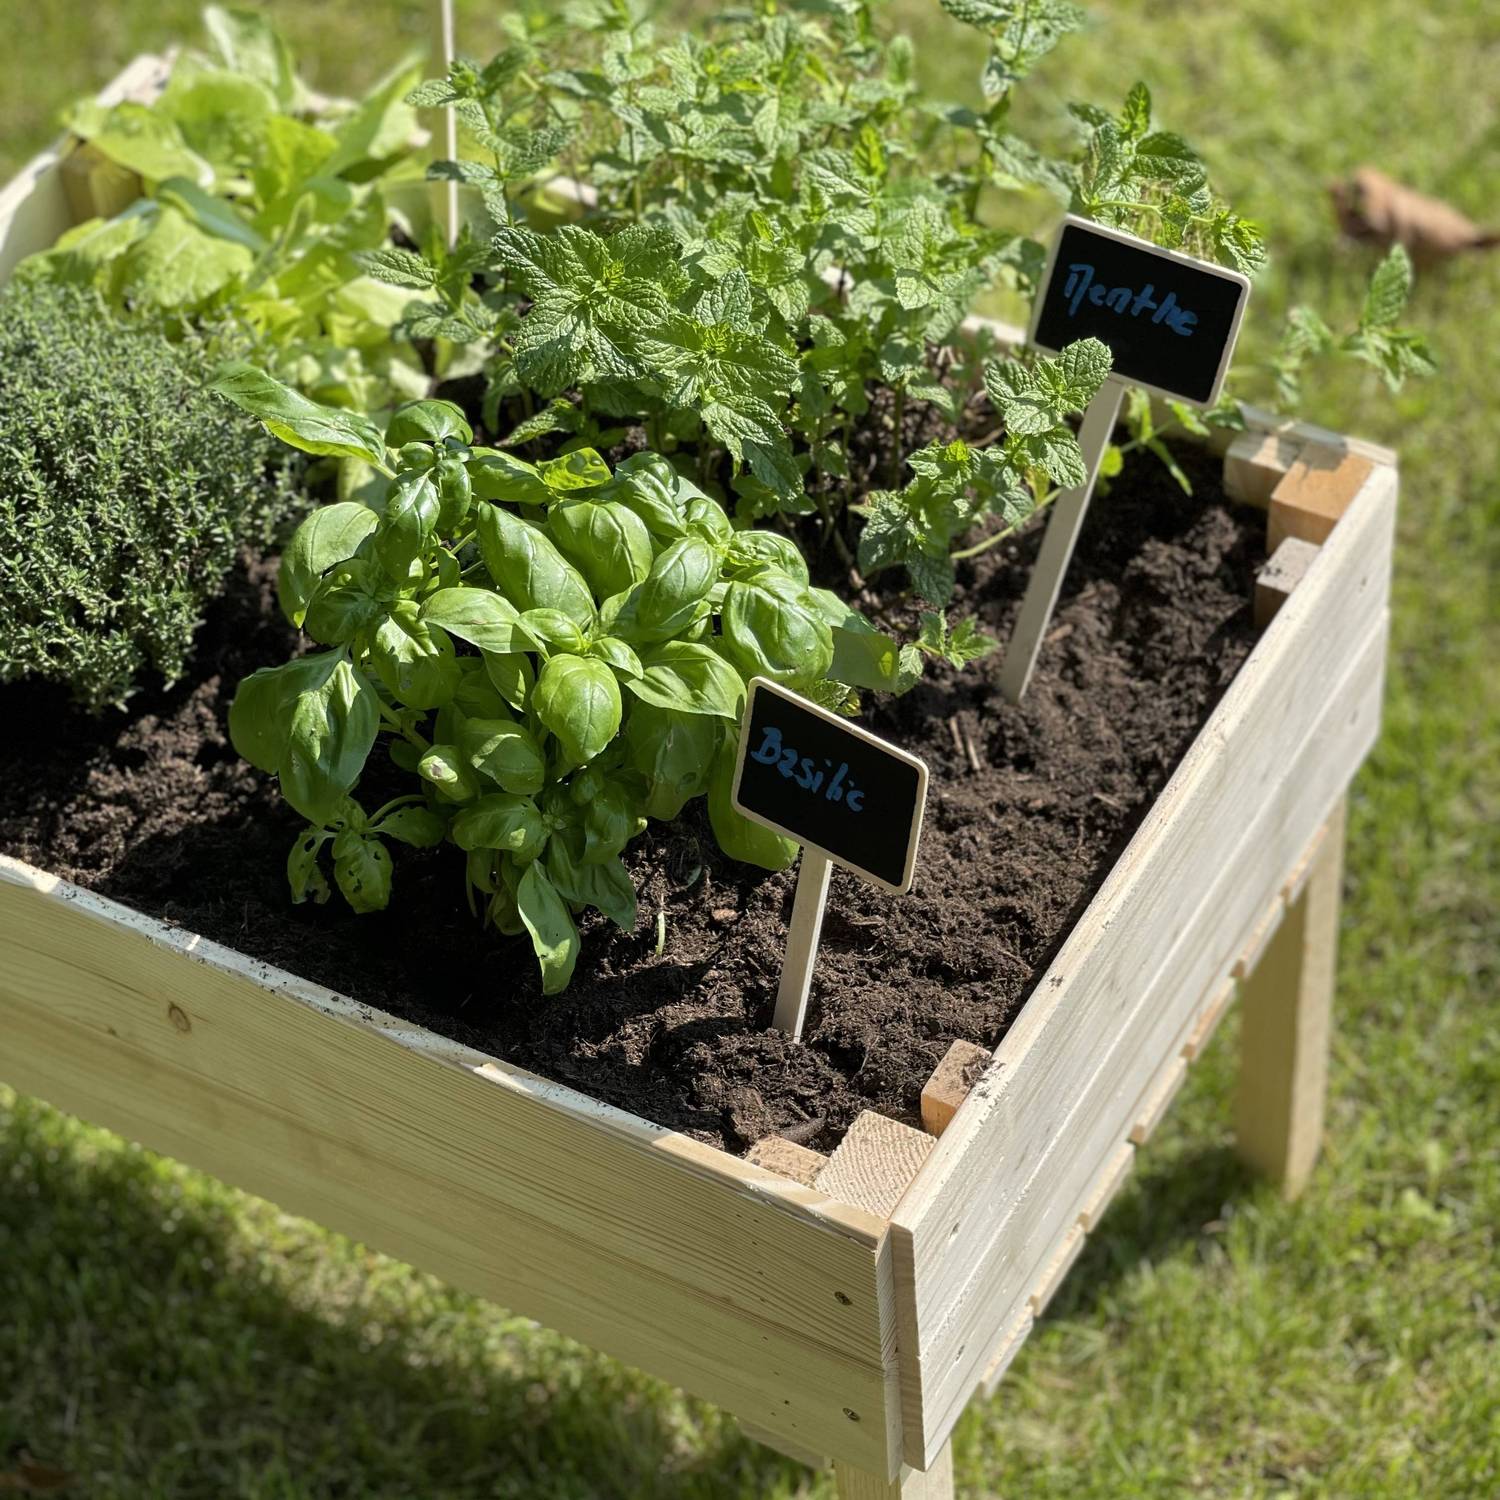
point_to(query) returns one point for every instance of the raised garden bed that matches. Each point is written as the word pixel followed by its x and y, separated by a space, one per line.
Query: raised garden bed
pixel 843 1302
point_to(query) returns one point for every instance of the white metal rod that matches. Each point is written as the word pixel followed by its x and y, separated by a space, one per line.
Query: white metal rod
pixel 1068 511
pixel 802 943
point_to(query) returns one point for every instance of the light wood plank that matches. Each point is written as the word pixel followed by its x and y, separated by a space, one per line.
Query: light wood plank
pixel 1011 1343
pixel 1121 994
pixel 1285 1027
pixel 949 1084
pixel 1208 1021
pixel 787 1159
pixel 1159 1100
pixel 1314 493
pixel 936 1483
pixel 1260 935
pixel 1255 463
pixel 1111 1180
pixel 873 1164
pixel 1281 574
pixel 750 1290
pixel 1057 1270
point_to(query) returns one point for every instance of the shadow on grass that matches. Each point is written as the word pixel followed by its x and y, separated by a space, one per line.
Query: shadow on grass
pixel 1166 1204
pixel 163 1336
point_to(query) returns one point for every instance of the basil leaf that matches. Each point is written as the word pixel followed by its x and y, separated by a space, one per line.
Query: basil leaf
pixel 410 517
pixel 648 485
pixel 334 719
pixel 302 872
pixel 553 935
pixel 447 768
pixel 552 629
pixel 609 822
pixel 494 475
pixel 619 655
pixel 771 626
pixel 294 419
pixel 344 604
pixel 512 676
pixel 413 658
pixel 501 821
pixel 578 699
pixel 689 677
pixel 506 753
pixel 362 868
pixel 427 421
pixel 608 543
pixel 330 535
pixel 769 549
pixel 673 753
pixel 679 579
pixel 606 885
pixel 479 616
pixel 582 469
pixel 529 570
pixel 418 826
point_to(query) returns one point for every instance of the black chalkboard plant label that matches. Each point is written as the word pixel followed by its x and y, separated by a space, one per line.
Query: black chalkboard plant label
pixel 1169 322
pixel 847 796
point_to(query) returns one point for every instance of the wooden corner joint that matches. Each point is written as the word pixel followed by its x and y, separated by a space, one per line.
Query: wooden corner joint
pixel 786 1158
pixel 874 1163
pixel 1256 462
pixel 1313 493
pixel 950 1084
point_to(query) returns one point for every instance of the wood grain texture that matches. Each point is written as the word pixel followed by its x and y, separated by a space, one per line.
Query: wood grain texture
pixel 1281 574
pixel 936 1483
pixel 787 1159
pixel 1255 463
pixel 748 1289
pixel 874 1163
pixel 1208 1021
pixel 1287 1003
pixel 1159 1100
pixel 1007 1181
pixel 1313 494
pixel 948 1087
pixel 1111 1179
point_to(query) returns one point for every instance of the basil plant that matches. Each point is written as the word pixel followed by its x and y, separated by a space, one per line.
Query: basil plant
pixel 553 652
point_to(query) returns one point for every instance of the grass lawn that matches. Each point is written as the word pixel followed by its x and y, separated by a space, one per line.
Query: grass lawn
pixel 162 1335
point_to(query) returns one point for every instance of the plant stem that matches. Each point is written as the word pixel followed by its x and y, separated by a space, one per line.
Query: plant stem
pixel 996 537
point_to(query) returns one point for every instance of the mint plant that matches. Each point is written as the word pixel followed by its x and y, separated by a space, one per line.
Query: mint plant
pixel 774 246
pixel 553 652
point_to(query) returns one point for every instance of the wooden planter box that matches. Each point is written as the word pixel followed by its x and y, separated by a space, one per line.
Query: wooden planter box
pixel 847 1307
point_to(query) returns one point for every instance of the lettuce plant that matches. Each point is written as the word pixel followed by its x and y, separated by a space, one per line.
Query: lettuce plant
pixel 255 199
pixel 553 652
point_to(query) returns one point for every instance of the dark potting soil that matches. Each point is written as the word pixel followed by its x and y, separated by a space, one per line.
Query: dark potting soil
pixel 1028 808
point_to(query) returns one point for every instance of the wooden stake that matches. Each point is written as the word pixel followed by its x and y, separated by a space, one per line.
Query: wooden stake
pixel 447 191
pixel 802 943
pixel 1068 511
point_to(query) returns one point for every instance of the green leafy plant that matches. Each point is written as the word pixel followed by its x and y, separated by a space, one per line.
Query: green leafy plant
pixel 125 493
pixel 248 201
pixel 1377 339
pixel 773 249
pixel 555 652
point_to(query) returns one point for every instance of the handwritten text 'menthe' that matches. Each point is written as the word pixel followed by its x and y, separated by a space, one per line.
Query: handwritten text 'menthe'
pixel 1126 300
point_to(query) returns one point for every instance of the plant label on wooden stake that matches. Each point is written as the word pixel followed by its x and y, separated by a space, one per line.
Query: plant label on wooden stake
pixel 1170 323
pixel 846 795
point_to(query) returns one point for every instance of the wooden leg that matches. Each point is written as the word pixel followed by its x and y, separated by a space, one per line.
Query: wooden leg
pixel 911 1484
pixel 1287 1005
